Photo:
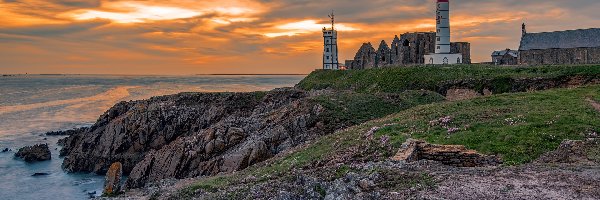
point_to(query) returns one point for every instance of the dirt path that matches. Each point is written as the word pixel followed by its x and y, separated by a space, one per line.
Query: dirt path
pixel 595 104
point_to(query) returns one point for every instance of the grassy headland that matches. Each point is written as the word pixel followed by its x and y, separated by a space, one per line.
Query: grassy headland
pixel 499 79
pixel 519 127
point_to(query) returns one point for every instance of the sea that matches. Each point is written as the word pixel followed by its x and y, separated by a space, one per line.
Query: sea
pixel 31 105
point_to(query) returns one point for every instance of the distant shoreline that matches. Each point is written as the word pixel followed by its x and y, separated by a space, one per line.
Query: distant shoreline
pixel 251 74
pixel 6 75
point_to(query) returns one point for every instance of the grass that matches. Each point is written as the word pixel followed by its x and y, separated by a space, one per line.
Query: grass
pixel 350 108
pixel 397 79
pixel 519 127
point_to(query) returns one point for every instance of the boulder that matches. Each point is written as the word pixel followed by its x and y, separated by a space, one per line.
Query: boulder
pixel 5 150
pixel 40 174
pixel 454 155
pixel 39 152
pixel 112 182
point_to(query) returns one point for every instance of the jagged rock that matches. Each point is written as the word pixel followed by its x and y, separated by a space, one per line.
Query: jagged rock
pixel 574 151
pixel 454 155
pixel 112 182
pixel 5 150
pixel 195 134
pixel 39 152
pixel 67 132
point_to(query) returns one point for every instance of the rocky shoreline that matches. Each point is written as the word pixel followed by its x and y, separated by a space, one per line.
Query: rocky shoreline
pixel 189 135
pixel 203 134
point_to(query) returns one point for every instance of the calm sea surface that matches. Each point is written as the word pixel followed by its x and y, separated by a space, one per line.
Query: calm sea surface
pixel 34 104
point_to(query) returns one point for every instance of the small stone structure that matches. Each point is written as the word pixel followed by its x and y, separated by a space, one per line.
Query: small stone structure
pixel 505 57
pixel 39 152
pixel 454 155
pixel 561 47
pixel 112 184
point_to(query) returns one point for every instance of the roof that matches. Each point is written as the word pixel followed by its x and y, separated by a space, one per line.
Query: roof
pixel 561 39
pixel 513 53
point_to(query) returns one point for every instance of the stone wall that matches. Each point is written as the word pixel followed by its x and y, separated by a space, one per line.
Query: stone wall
pixel 383 57
pixel 505 59
pixel 463 48
pixel 364 58
pixel 560 56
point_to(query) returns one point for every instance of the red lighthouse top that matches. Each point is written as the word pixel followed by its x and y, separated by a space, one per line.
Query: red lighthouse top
pixel 443 1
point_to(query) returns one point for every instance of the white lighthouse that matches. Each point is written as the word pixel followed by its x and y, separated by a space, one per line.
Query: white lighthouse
pixel 442 53
pixel 330 50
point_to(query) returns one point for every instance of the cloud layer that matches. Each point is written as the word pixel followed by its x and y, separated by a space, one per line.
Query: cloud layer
pixel 247 36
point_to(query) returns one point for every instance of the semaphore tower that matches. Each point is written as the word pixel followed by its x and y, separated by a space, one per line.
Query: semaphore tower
pixel 330 51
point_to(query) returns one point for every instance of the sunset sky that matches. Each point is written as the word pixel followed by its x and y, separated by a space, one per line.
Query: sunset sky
pixel 248 36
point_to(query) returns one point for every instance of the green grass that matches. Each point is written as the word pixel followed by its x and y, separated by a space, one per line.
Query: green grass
pixel 499 79
pixel 350 108
pixel 519 127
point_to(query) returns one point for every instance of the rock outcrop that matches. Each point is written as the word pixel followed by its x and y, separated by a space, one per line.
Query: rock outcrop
pixel 194 134
pixel 112 182
pixel 39 152
pixel 67 132
pixel 454 155
pixel 574 152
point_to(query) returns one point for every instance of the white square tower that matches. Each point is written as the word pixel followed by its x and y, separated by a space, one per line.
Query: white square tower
pixel 442 53
pixel 330 50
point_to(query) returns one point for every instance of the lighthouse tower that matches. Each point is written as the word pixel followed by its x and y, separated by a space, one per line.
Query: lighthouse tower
pixel 330 50
pixel 442 41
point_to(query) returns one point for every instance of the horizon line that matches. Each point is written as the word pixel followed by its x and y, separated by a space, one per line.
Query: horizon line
pixel 219 74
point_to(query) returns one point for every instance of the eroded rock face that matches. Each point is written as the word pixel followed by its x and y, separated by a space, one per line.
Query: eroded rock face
pixel 233 143
pixel 112 182
pixel 454 155
pixel 39 152
pixel 194 134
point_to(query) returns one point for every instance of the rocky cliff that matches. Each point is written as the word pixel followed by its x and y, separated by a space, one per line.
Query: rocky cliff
pixel 195 134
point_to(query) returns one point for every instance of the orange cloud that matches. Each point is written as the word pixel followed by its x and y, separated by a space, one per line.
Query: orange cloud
pixel 246 36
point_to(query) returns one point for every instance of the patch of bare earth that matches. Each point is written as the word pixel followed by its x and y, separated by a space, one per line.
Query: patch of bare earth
pixel 594 104
pixel 526 182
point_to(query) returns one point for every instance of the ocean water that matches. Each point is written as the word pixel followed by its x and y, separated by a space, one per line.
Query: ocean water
pixel 32 105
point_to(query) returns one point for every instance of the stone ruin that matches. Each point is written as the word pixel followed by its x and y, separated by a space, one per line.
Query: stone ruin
pixel 453 155
pixel 408 49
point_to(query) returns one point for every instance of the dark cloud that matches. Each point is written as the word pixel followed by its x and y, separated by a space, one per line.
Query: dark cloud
pixel 197 45
pixel 54 30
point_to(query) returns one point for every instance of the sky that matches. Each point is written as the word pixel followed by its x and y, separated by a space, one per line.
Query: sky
pixel 182 37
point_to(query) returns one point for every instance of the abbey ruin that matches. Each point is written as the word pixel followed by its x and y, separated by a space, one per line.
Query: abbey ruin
pixel 408 49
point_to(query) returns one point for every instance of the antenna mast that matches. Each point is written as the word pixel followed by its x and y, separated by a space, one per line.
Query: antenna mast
pixel 332 16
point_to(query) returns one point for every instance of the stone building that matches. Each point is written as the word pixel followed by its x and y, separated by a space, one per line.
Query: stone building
pixel 408 49
pixel 364 58
pixel 561 47
pixel 505 57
